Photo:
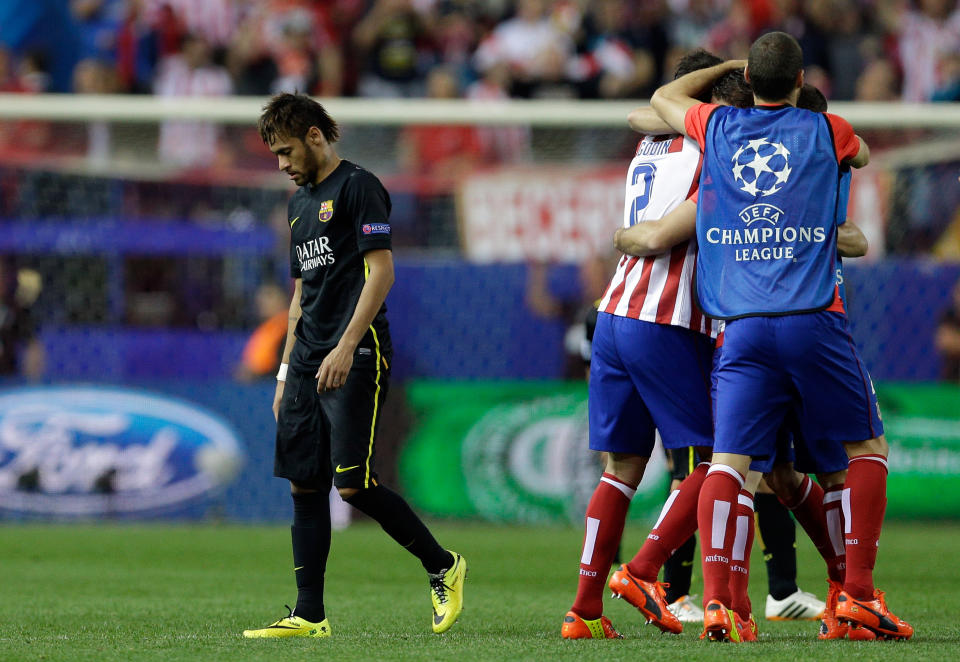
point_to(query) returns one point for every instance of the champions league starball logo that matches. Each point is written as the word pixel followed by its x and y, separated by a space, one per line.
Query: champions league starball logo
pixel 761 167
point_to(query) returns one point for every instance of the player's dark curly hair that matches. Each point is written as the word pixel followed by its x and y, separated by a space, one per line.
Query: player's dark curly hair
pixel 694 61
pixel 812 99
pixel 774 62
pixel 292 115
pixel 733 89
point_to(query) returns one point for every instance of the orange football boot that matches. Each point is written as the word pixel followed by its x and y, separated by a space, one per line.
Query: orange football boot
pixel 648 597
pixel 860 633
pixel 575 627
pixel 830 627
pixel 873 615
pixel 719 623
pixel 748 629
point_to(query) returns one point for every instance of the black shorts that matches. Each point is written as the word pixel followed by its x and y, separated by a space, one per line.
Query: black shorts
pixel 684 460
pixel 330 437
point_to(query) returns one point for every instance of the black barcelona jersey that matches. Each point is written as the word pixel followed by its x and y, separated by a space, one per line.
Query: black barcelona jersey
pixel 332 224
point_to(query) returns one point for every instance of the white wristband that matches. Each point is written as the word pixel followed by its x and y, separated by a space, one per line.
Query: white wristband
pixel 282 372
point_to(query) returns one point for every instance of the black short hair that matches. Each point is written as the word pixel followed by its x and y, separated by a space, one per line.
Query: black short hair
pixel 292 115
pixel 733 89
pixel 812 98
pixel 774 62
pixel 694 61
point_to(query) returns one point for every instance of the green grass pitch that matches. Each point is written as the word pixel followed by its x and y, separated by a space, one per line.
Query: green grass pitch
pixel 111 592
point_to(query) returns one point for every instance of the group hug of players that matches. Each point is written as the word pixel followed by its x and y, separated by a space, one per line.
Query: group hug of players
pixel 724 329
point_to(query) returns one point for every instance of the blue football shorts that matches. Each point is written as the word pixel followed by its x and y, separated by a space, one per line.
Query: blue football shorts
pixel 784 448
pixel 807 362
pixel 646 377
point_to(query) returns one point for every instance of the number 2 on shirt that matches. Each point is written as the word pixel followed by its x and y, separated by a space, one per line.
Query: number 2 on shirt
pixel 641 178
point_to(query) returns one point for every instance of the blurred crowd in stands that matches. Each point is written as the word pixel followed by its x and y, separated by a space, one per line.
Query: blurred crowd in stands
pixel 871 50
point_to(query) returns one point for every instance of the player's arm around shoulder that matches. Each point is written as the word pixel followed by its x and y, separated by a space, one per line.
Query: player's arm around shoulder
pixel 852 150
pixel 645 120
pixel 660 235
pixel 673 100
pixel 863 155
pixel 851 242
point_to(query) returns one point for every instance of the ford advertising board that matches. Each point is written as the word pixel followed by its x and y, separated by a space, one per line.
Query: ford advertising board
pixel 92 451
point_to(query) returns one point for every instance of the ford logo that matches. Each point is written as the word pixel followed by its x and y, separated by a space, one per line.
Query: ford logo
pixel 90 451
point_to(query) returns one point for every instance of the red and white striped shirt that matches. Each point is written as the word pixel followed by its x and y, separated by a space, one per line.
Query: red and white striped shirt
pixel 659 288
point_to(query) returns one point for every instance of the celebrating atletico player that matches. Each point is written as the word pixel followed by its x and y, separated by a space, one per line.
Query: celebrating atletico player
pixel 777 168
pixel 650 370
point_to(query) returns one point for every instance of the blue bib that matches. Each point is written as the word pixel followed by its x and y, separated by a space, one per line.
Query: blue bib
pixel 846 174
pixel 767 213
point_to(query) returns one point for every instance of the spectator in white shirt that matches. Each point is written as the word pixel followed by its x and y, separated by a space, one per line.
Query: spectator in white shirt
pixel 191 74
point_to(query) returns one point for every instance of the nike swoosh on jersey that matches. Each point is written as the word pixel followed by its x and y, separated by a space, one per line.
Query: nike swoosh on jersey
pixel 341 470
pixel 294 221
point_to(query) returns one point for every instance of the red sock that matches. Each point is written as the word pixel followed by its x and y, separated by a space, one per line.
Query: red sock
pixel 606 514
pixel 864 503
pixel 833 515
pixel 745 529
pixel 807 505
pixel 677 522
pixel 716 512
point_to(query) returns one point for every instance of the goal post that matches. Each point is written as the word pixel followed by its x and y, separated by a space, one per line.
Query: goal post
pixel 396 112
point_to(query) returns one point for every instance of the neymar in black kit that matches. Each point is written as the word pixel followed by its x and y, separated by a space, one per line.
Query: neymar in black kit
pixel 336 364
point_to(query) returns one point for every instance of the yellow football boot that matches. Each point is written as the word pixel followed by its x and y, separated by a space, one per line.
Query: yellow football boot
pixel 291 626
pixel 446 593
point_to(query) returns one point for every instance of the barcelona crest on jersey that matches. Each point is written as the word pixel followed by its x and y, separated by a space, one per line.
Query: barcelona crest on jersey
pixel 326 210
